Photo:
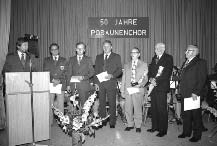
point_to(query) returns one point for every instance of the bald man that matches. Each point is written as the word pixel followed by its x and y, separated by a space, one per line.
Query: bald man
pixel 192 81
pixel 162 86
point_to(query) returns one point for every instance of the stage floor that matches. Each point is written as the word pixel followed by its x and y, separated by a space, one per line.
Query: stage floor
pixel 118 137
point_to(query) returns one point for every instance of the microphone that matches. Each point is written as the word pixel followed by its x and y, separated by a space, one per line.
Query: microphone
pixel 28 53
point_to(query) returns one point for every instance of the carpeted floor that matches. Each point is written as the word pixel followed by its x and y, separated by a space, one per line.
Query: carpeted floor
pixel 118 137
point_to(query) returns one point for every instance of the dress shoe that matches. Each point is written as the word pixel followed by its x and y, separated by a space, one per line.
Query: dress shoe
pixel 112 126
pixel 178 122
pixel 183 136
pixel 194 139
pixel 204 129
pixel 138 130
pixel 161 134
pixel 152 130
pixel 128 128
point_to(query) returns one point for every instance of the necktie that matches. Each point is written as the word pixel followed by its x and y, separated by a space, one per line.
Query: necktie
pixel 79 60
pixel 23 59
pixel 55 60
pixel 186 64
pixel 133 72
pixel 156 59
pixel 105 62
pixel 183 67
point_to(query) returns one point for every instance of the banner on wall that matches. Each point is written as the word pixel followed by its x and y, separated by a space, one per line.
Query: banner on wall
pixel 118 27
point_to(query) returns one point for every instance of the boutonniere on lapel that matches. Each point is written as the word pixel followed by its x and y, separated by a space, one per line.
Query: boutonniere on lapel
pixel 151 86
pixel 62 67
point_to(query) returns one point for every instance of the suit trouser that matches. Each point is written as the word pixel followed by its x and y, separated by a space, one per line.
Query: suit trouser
pixel 192 120
pixel 159 111
pixel 110 93
pixel 133 109
pixel 83 96
pixel 58 103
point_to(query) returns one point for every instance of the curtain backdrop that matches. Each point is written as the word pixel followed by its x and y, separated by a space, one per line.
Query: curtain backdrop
pixel 178 23
pixel 5 12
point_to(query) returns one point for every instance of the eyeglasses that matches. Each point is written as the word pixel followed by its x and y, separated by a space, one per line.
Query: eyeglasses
pixel 189 50
pixel 134 52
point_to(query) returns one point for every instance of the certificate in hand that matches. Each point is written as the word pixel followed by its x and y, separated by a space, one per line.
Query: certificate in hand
pixel 190 104
pixel 55 89
pixel 102 76
pixel 75 79
pixel 132 90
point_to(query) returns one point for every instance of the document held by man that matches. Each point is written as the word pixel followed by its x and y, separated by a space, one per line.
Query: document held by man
pixel 75 79
pixel 55 89
pixel 132 90
pixel 102 76
pixel 190 104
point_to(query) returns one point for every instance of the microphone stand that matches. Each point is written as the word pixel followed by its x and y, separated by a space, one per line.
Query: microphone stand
pixel 32 100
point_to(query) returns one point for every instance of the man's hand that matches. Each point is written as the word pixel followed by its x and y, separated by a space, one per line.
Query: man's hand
pixel 80 78
pixel 194 96
pixel 109 76
pixel 55 82
pixel 96 87
pixel 69 89
pixel 153 81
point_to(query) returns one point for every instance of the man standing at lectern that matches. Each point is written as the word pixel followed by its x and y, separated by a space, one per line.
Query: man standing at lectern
pixel 56 65
pixel 20 60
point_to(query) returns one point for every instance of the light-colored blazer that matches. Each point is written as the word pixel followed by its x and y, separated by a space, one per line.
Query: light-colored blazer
pixel 141 70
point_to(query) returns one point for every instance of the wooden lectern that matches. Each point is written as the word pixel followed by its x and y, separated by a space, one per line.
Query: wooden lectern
pixel 18 104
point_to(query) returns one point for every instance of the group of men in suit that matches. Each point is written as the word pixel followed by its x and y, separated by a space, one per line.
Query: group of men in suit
pixel 191 83
pixel 136 74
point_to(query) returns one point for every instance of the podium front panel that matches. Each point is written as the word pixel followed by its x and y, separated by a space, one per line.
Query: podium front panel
pixel 19 114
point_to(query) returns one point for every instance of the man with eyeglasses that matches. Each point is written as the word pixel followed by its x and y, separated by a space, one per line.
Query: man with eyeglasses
pixel 160 79
pixel 56 65
pixel 192 81
pixel 135 76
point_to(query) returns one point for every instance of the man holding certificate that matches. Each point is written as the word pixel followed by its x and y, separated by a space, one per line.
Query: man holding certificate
pixel 107 67
pixel 192 80
pixel 80 70
pixel 135 76
pixel 56 65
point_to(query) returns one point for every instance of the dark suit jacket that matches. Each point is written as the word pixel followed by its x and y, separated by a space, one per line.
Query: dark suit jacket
pixel 113 66
pixel 13 63
pixel 193 78
pixel 163 81
pixel 57 71
pixel 85 69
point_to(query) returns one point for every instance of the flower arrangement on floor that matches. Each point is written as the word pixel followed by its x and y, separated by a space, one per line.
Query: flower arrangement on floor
pixel 212 110
pixel 78 121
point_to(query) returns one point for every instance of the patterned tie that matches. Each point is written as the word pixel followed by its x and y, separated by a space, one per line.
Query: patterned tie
pixel 183 67
pixel 23 59
pixel 186 64
pixel 133 72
